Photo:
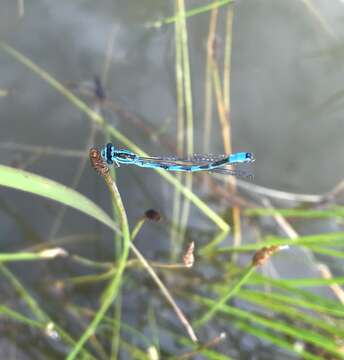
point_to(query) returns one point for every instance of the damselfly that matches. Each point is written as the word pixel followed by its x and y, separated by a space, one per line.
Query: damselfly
pixel 214 163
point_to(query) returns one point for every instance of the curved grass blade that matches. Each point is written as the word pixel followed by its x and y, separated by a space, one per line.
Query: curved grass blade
pixel 307 240
pixel 336 211
pixel 274 339
pixel 39 185
pixel 277 326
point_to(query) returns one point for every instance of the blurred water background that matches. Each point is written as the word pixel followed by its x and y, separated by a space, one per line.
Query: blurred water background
pixel 286 107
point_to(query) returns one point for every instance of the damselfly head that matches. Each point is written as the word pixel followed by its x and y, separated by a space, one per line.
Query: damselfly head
pixel 250 157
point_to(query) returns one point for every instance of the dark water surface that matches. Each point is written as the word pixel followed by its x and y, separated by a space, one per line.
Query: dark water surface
pixel 287 77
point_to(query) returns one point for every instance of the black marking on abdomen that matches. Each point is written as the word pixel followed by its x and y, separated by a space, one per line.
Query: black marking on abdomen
pixel 220 162
pixel 186 168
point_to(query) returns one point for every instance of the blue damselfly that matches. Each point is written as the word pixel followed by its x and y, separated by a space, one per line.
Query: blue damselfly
pixel 195 163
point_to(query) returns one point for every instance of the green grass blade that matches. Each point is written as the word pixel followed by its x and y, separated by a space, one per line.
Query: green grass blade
pixel 112 290
pixel 14 315
pixel 24 256
pixel 307 282
pixel 181 39
pixel 35 309
pixel 332 238
pixel 192 12
pixel 222 301
pixel 274 339
pixel 337 211
pixel 39 185
pixel 276 325
pixel 24 295
pixel 290 311
pixel 326 251
pixel 321 308
pixel 308 299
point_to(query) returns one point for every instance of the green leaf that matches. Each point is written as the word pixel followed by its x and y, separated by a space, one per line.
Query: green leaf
pixel 278 326
pixel 336 211
pixel 307 240
pixel 39 185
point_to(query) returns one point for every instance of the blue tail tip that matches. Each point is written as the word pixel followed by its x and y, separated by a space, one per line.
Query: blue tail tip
pixel 242 157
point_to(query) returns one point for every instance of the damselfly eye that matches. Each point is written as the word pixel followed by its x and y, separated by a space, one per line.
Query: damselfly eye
pixel 249 157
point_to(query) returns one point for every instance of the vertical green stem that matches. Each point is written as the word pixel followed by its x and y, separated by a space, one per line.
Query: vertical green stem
pixel 113 288
pixel 188 109
pixel 208 100
pixel 174 245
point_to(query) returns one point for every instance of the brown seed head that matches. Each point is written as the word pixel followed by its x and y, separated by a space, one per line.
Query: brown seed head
pixel 97 162
pixel 153 215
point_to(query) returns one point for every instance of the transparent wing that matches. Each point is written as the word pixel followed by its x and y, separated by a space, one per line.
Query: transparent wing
pixel 187 162
pixel 207 158
pixel 196 159
pixel 163 160
pixel 233 172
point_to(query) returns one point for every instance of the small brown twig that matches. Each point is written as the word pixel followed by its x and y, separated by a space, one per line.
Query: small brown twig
pixel 204 346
